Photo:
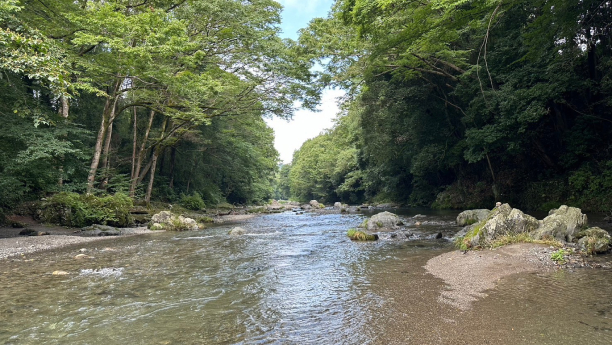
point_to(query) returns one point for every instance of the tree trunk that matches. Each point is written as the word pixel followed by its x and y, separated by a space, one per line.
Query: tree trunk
pixel 134 143
pixel 107 117
pixel 172 161
pixel 137 173
pixel 106 155
pixel 64 107
pixel 156 153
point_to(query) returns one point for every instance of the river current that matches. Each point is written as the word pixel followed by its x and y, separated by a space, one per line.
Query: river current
pixel 292 279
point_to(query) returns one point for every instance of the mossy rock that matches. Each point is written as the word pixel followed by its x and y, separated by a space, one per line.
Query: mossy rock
pixel 357 235
pixel 594 240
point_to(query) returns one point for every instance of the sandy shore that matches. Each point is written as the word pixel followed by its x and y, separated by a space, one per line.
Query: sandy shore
pixel 468 275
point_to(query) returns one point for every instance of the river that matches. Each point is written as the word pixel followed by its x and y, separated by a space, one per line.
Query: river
pixel 293 279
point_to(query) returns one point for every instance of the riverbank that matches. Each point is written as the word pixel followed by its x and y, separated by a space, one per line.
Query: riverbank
pixel 12 244
pixel 470 274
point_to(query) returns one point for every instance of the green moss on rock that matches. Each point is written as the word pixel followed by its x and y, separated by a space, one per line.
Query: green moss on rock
pixel 357 235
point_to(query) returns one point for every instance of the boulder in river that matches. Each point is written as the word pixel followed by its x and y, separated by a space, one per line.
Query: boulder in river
pixel 237 231
pixel 470 217
pixel 501 221
pixel 594 240
pixel 562 224
pixel 358 235
pixel 383 221
pixel 166 220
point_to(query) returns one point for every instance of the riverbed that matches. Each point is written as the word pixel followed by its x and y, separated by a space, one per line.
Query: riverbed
pixel 292 279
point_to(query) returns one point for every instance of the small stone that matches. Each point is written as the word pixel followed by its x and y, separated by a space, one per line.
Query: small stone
pixel 82 257
pixel 60 273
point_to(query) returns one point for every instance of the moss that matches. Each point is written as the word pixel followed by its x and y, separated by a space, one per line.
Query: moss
pixel 357 235
pixel 471 221
pixel 156 226
pixel 364 224
pixel 379 224
pixel 467 242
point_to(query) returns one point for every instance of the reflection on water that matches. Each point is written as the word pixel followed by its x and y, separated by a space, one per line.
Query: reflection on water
pixel 290 280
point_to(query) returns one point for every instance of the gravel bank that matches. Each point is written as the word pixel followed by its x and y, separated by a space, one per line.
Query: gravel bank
pixel 470 274
pixel 11 246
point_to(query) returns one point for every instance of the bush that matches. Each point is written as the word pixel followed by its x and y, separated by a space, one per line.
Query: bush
pixel 75 210
pixel 193 202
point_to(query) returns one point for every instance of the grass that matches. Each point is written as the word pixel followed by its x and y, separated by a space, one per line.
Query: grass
pixel 357 235
pixel 523 237
pixel 559 256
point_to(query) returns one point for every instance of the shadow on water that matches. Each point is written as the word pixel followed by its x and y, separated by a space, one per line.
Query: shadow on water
pixel 290 280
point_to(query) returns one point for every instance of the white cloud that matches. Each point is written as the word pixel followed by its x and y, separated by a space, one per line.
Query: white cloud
pixel 289 136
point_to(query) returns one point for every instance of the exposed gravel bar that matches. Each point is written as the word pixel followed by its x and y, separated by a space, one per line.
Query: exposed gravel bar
pixel 470 274
pixel 12 246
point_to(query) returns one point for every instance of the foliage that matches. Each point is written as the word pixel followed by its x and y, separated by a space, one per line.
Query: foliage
pixel 559 256
pixel 79 210
pixel 193 202
pixel 459 104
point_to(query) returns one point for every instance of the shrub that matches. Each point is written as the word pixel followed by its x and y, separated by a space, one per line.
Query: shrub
pixel 193 202
pixel 75 210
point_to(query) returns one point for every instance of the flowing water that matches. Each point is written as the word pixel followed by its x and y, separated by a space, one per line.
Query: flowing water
pixel 293 279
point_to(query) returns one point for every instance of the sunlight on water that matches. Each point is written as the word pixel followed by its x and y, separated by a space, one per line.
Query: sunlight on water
pixel 290 280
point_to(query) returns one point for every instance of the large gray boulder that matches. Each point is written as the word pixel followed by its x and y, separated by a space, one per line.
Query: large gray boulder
pixel 562 224
pixel 502 220
pixel 470 217
pixel 166 220
pixel 594 240
pixel 384 221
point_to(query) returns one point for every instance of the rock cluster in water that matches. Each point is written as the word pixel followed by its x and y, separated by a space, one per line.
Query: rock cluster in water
pixel 166 220
pixel 565 224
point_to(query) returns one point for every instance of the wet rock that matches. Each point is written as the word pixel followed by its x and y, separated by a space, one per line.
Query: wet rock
pixel 60 273
pixel 358 235
pixel 237 231
pixel 383 221
pixel 28 232
pixel 337 205
pixel 594 240
pixel 31 232
pixel 562 224
pixel 314 203
pixel 438 235
pixel 470 217
pixel 387 205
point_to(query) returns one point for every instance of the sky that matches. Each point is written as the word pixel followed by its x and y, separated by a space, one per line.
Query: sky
pixel 289 136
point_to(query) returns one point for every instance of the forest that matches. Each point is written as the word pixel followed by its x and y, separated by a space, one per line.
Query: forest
pixel 459 104
pixel 449 103
pixel 153 99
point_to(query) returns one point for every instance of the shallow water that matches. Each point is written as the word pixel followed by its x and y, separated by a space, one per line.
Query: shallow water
pixel 290 280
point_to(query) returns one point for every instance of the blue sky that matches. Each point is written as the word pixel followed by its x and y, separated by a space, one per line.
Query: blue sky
pixel 289 136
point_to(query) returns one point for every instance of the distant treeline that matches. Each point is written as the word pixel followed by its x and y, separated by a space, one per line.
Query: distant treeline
pixel 458 104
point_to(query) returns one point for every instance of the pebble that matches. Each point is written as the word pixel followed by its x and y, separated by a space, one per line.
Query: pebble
pixel 60 273
pixel 83 256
